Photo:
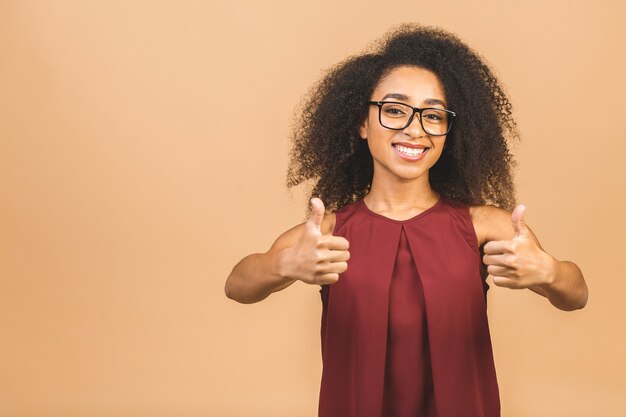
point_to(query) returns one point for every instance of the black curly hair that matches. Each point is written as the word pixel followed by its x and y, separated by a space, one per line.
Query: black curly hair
pixel 475 166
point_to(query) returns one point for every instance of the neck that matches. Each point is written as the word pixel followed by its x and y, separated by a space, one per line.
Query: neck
pixel 400 198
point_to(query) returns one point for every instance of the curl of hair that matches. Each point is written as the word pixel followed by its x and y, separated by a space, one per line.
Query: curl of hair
pixel 475 166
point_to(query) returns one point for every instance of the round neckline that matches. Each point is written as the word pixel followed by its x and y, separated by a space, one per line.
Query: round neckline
pixel 410 219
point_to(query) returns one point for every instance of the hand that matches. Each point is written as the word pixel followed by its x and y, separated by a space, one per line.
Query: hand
pixel 519 262
pixel 317 259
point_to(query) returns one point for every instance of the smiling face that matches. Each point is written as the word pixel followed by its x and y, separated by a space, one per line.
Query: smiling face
pixel 409 153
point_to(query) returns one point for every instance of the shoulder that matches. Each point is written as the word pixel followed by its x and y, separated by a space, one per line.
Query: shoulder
pixel 491 223
pixel 487 212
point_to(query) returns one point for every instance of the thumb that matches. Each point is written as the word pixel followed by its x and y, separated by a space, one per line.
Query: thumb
pixel 519 224
pixel 314 224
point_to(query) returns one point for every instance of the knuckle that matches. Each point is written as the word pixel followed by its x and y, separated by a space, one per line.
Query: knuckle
pixel 512 261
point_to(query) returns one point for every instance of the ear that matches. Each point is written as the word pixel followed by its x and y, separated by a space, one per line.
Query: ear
pixel 363 128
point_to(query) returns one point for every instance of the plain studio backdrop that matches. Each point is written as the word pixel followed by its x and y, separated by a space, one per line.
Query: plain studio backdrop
pixel 143 150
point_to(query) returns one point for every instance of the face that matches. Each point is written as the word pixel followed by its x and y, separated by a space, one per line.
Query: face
pixel 409 153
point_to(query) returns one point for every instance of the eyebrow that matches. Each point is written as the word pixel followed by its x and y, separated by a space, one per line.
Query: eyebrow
pixel 396 95
pixel 400 96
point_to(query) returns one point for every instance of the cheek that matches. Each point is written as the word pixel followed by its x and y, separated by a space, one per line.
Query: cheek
pixel 437 152
pixel 376 131
pixel 380 139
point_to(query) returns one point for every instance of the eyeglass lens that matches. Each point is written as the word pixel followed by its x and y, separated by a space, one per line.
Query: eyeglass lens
pixel 397 116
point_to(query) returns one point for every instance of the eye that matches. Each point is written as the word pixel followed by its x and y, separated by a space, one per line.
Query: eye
pixel 434 116
pixel 395 110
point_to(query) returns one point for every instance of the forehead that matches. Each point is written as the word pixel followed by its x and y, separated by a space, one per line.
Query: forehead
pixel 414 82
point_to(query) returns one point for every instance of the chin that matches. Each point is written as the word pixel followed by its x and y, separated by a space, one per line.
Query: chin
pixel 410 175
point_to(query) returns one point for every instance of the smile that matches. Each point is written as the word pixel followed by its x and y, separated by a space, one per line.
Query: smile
pixel 410 154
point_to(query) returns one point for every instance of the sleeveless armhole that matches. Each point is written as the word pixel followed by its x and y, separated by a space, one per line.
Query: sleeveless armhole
pixel 480 250
pixel 325 288
pixel 472 240
pixel 339 218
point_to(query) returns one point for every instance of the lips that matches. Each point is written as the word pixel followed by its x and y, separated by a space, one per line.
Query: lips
pixel 410 151
pixel 409 145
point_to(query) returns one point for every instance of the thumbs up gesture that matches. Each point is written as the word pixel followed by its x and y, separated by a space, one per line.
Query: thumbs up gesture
pixel 316 258
pixel 519 262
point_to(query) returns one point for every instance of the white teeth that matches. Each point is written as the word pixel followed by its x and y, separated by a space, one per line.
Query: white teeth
pixel 409 151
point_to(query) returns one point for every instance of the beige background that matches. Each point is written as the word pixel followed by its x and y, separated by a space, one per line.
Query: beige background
pixel 143 148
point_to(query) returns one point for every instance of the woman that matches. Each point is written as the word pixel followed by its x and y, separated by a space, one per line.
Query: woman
pixel 407 145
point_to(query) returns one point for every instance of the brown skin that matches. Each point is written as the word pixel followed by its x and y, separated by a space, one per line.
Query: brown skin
pixel 401 190
pixel 515 257
pixel 559 281
pixel 476 166
pixel 307 252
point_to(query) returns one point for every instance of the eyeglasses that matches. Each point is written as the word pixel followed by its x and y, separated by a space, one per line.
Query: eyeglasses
pixel 398 116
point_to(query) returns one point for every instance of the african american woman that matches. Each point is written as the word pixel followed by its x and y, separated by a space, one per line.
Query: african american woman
pixel 412 207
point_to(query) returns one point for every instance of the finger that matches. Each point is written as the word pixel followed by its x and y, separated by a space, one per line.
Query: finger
pixel 334 243
pixel 330 278
pixel 519 224
pixel 338 256
pixel 499 259
pixel 502 271
pixel 505 282
pixel 496 247
pixel 331 267
pixel 314 224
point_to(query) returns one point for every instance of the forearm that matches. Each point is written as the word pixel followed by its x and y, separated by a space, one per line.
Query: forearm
pixel 566 289
pixel 255 277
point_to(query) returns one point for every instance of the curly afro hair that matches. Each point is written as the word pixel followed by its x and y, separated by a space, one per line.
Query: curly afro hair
pixel 475 166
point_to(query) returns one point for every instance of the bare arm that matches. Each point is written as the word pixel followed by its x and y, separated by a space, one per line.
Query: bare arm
pixel 307 252
pixel 515 259
pixel 566 289
pixel 258 275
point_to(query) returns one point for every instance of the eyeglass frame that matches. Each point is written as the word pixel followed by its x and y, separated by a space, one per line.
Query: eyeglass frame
pixel 410 119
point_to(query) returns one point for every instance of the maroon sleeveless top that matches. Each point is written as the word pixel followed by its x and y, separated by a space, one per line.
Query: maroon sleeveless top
pixel 404 330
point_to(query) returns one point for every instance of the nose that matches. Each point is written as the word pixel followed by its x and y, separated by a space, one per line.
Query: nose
pixel 415 127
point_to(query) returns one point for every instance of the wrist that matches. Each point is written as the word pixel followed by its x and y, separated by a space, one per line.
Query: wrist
pixel 552 272
pixel 283 265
